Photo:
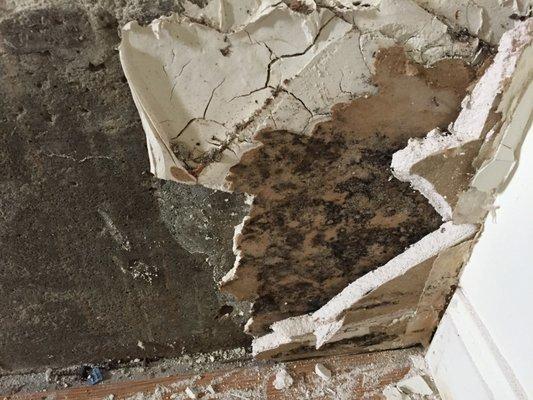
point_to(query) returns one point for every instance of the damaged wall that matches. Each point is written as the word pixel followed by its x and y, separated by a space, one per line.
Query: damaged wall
pixel 312 137
pixel 496 92
pixel 325 211
pixel 483 342
pixel 97 252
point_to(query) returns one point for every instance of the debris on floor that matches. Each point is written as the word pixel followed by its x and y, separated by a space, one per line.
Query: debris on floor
pixel 415 385
pixel 362 376
pixel 283 380
pixel 48 375
pixel 95 376
pixel 191 393
pixel 411 388
pixel 322 372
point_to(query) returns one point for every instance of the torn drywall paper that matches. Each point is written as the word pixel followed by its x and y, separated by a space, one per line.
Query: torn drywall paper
pixel 320 216
pixel 441 282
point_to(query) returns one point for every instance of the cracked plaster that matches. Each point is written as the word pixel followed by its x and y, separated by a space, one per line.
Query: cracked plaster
pixel 280 83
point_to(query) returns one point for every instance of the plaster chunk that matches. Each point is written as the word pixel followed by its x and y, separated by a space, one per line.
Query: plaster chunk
pixel 442 166
pixel 283 380
pixel 353 313
pixel 322 371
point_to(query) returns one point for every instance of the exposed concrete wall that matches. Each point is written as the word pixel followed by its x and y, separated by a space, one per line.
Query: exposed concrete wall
pixel 96 255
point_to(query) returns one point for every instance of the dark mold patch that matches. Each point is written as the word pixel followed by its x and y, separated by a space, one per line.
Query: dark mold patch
pixel 326 208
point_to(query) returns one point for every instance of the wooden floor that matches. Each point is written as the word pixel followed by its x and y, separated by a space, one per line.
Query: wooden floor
pixel 353 377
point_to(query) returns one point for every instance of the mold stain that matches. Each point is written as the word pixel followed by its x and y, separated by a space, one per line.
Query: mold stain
pixel 327 209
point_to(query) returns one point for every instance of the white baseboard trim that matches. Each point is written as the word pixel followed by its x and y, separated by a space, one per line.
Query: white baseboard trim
pixel 464 360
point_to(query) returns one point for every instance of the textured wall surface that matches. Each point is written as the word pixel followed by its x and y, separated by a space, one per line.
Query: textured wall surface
pixel 97 255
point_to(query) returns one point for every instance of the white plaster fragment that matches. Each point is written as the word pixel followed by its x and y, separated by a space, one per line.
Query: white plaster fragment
pixel 415 385
pixel 393 393
pixel 430 245
pixel 495 91
pixel 283 380
pixel 322 371
pixel 191 393
pixel 326 325
pixel 417 150
pixel 517 115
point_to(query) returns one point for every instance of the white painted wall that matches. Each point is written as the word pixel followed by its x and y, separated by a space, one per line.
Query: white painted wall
pixel 483 348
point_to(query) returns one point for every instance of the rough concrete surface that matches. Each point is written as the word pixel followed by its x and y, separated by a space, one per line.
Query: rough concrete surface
pixel 96 257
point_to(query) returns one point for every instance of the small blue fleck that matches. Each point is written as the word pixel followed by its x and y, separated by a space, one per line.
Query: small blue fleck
pixel 95 376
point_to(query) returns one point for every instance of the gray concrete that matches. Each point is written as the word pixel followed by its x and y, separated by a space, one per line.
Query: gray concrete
pixel 96 255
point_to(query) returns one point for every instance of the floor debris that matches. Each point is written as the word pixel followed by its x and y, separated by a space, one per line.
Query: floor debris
pixel 191 393
pixel 415 385
pixel 393 393
pixel 48 375
pixel 363 376
pixel 95 376
pixel 283 380
pixel 411 388
pixel 322 372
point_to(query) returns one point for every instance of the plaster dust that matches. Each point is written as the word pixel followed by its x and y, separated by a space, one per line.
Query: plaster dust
pixel 364 376
pixel 357 381
pixel 134 370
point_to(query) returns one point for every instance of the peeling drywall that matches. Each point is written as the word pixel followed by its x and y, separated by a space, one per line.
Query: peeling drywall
pixel 483 122
pixel 308 128
pixel 338 319
pixel 200 108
